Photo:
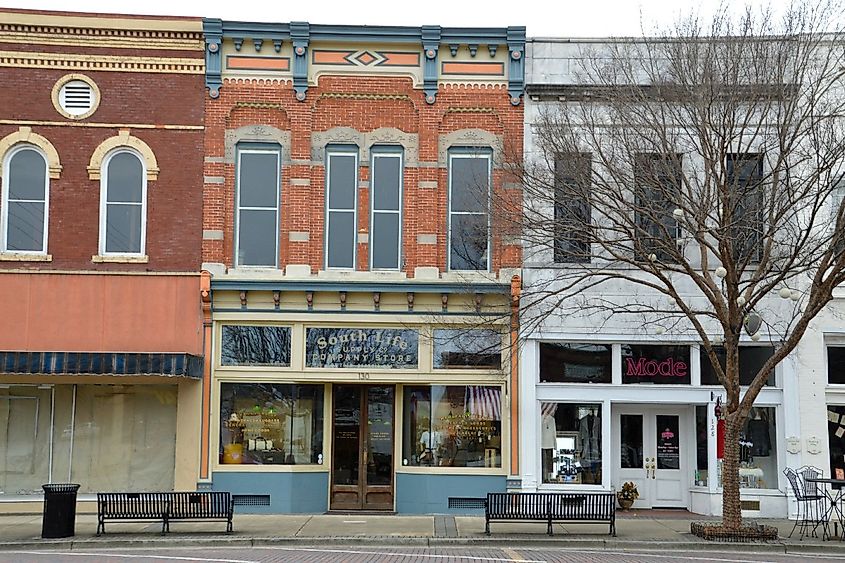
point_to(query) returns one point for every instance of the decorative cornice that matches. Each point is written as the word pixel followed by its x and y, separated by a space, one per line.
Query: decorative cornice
pixel 471 110
pixel 428 39
pixel 92 37
pixel 68 61
pixel 365 96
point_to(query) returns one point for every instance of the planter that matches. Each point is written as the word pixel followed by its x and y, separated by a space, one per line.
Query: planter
pixel 625 503
pixel 714 531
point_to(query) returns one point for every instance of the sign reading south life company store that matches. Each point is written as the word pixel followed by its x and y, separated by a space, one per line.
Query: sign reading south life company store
pixel 361 348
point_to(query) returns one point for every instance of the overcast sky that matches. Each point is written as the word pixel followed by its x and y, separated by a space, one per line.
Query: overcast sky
pixel 544 18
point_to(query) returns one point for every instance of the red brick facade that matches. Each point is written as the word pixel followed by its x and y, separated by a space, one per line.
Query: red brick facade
pixel 365 104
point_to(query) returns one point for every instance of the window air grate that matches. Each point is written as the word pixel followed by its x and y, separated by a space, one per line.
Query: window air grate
pixel 749 504
pixel 251 500
pixel 465 502
pixel 76 97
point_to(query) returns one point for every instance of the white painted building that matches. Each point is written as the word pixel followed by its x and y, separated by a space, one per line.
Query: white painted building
pixel 605 401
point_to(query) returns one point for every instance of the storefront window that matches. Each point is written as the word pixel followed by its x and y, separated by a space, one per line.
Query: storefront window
pixel 836 440
pixel 456 348
pixel 245 345
pixel 571 443
pixel 271 424
pixel 25 439
pixel 836 365
pixel 701 434
pixel 562 362
pixel 655 364
pixel 124 437
pixel 758 460
pixel 453 426
pixel 751 359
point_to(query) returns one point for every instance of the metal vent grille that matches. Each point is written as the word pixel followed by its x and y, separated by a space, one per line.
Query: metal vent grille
pixel 76 97
pixel 750 504
pixel 251 500
pixel 465 502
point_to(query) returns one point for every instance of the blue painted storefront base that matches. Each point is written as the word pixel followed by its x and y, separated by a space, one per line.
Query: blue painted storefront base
pixel 289 492
pixel 429 494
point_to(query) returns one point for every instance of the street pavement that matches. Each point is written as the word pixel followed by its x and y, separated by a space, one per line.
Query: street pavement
pixel 308 538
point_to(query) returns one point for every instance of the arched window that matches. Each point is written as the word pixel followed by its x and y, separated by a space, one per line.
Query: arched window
pixel 26 191
pixel 123 204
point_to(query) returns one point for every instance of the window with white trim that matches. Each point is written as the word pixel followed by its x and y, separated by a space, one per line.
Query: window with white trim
pixel 469 204
pixel 26 194
pixel 257 217
pixel 341 204
pixel 123 204
pixel 386 219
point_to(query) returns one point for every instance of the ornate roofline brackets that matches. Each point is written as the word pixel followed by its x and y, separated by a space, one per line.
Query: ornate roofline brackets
pixel 516 66
pixel 431 48
pixel 213 30
pixel 300 33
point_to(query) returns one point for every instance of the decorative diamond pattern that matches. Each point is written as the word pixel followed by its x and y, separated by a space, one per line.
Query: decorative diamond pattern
pixel 366 58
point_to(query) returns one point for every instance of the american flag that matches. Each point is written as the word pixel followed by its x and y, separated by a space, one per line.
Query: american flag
pixel 485 402
pixel 548 409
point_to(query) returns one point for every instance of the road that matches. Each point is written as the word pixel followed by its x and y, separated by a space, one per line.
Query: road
pixel 294 554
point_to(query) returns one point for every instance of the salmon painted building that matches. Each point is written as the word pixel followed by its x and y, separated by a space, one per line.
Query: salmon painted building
pixel 359 327
pixel 101 140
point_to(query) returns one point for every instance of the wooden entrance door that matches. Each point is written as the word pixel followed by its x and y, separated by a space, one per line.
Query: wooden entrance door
pixel 362 438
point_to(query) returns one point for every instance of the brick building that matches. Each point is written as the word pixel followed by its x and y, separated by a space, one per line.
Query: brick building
pixel 100 240
pixel 361 291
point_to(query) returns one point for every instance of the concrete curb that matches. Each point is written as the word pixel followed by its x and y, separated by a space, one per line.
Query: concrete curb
pixel 597 544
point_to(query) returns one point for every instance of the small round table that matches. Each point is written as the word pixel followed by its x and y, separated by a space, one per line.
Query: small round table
pixel 834 497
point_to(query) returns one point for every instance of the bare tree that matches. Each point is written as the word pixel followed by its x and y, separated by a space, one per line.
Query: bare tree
pixel 702 167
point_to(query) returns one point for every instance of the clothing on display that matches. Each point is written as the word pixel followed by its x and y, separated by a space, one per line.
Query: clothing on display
pixel 589 431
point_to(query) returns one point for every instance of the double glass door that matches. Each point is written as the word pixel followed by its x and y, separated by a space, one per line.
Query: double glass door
pixel 362 438
pixel 650 453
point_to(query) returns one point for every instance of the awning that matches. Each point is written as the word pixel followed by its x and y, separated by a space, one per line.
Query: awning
pixel 101 363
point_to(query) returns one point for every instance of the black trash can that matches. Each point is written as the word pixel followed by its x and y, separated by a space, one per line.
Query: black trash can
pixel 59 519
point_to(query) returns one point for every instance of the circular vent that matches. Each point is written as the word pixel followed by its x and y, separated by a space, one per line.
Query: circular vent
pixel 75 96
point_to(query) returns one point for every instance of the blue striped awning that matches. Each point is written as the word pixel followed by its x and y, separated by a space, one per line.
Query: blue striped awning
pixel 101 363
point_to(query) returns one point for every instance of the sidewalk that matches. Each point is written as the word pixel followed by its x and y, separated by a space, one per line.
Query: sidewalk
pixel 641 530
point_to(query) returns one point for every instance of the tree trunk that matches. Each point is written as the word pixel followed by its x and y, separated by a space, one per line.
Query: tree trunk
pixel 731 507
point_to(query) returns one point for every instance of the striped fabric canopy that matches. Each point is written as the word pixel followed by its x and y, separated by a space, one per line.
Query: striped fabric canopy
pixel 484 402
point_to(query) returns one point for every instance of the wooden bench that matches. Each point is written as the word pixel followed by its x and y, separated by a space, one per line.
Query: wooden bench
pixel 598 507
pixel 164 507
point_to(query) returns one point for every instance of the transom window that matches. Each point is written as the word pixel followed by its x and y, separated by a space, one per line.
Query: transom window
pixel 258 207
pixel 469 204
pixel 341 203
pixel 386 221
pixel 123 204
pixel 25 201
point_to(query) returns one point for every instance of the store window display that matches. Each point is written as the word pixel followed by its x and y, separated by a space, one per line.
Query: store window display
pixel 271 424
pixel 571 443
pixel 836 440
pixel 758 463
pixel 452 426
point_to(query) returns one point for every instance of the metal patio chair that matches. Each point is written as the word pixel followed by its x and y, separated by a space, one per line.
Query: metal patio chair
pixel 810 502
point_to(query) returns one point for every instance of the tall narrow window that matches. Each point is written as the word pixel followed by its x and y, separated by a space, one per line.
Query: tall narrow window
pixel 745 225
pixel 386 223
pixel 656 190
pixel 341 184
pixel 469 204
pixel 25 201
pixel 572 224
pixel 123 204
pixel 258 207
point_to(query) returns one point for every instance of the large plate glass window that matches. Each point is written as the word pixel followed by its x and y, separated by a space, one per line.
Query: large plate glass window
pixel 341 202
pixel 246 345
pixel 258 206
pixel 758 456
pixel 570 443
pixel 271 424
pixel 123 204
pixel 836 440
pixel 469 204
pixel 386 220
pixel 26 192
pixel 646 363
pixel 452 426
pixel 751 360
pixel 565 362
pixel 469 348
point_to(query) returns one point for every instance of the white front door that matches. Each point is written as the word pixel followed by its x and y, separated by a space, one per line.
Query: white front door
pixel 650 451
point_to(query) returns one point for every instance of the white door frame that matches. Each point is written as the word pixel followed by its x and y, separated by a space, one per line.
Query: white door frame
pixel 650 480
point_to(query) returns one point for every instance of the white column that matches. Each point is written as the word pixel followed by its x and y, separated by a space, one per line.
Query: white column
pixel 529 420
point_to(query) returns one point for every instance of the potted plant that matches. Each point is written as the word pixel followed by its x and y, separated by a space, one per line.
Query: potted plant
pixel 627 495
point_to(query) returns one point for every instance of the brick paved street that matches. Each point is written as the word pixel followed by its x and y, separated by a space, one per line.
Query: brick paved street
pixel 399 555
